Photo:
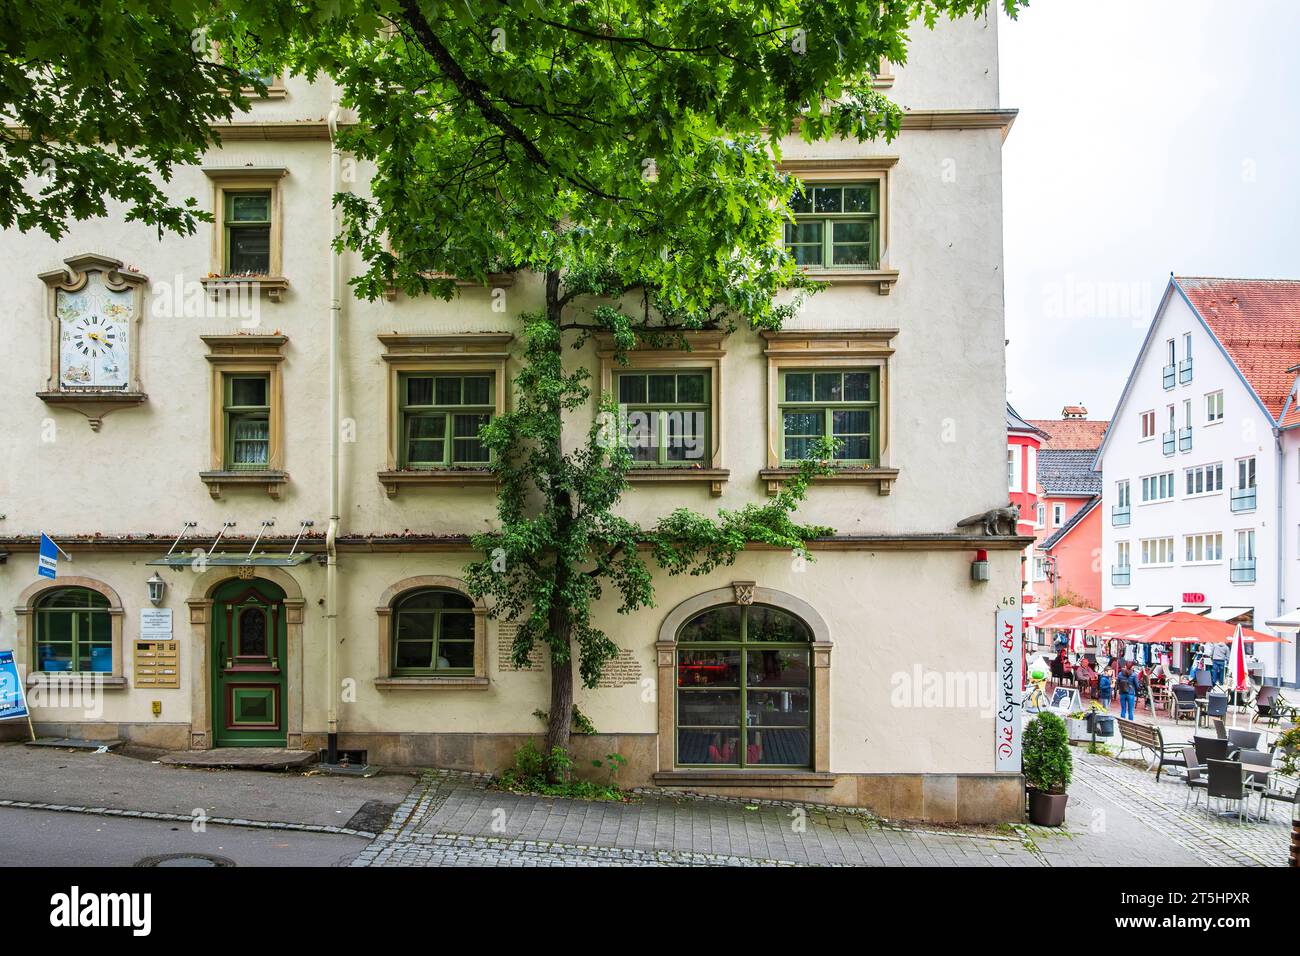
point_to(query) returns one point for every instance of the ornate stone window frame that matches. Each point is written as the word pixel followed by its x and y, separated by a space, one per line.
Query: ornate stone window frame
pixel 233 179
pixel 743 592
pixel 863 169
pixel 406 352
pixel 89 402
pixel 25 638
pixel 705 352
pixel 384 616
pixel 256 355
pixel 813 349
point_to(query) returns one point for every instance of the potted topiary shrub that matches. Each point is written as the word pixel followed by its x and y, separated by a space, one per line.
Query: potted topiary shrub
pixel 1047 765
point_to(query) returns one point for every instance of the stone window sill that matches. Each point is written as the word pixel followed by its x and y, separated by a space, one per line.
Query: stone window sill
pixel 743 778
pixel 714 476
pixel 75 679
pixel 273 287
pixel 883 478
pixel 883 279
pixel 455 477
pixel 432 683
pixel 269 480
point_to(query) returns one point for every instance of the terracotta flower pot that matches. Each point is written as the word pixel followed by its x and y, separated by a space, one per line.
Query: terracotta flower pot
pixel 1047 809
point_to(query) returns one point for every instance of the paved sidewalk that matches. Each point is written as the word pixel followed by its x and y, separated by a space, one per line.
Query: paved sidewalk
pixel 454 819
pixel 80 779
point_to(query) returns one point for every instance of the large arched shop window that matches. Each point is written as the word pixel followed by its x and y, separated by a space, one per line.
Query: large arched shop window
pixel 433 634
pixel 743 689
pixel 74 631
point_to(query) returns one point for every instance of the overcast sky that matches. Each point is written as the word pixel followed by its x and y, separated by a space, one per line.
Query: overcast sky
pixel 1153 136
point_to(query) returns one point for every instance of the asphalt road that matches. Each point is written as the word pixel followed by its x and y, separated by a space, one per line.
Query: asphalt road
pixel 48 838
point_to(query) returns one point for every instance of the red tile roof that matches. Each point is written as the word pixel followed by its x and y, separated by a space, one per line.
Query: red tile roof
pixel 1073 434
pixel 1258 323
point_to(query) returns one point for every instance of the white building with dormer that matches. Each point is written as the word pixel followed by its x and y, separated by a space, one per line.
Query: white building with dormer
pixel 1201 463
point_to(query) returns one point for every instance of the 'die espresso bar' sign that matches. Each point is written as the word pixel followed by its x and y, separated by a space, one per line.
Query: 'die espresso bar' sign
pixel 1007 680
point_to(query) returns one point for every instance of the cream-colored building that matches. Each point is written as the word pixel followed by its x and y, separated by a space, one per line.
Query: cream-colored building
pixel 148 410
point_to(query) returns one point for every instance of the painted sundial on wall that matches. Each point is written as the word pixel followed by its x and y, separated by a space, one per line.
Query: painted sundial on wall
pixel 94 335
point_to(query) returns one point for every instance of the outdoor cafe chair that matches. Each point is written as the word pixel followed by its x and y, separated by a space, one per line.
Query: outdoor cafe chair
pixel 1220 731
pixel 1195 778
pixel 1227 782
pixel 1210 748
pixel 1260 758
pixel 1183 703
pixel 1245 739
pixel 1278 796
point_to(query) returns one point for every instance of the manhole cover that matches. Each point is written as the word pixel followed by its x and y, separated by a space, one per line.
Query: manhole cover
pixel 185 859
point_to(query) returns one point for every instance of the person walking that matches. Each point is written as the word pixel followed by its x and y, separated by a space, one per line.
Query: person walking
pixel 1219 662
pixel 1127 685
pixel 1103 687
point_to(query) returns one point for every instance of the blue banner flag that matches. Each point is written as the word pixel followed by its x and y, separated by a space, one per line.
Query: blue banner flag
pixel 48 563
pixel 12 702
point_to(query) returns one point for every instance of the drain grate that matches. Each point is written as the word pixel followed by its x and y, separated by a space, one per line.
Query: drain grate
pixel 185 859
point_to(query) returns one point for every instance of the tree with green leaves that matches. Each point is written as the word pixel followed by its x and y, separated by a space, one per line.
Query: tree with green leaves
pixel 625 153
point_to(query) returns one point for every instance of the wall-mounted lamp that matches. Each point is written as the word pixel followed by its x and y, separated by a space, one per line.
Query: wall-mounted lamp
pixel 979 568
pixel 156 588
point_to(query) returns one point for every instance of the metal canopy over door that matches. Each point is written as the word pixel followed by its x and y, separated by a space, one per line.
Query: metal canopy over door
pixel 248 661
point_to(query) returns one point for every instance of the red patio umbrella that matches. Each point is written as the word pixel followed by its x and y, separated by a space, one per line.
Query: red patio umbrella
pixel 1062 618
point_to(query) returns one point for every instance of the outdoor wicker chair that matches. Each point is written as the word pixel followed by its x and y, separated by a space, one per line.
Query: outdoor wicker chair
pixel 1220 731
pixel 1195 778
pixel 1244 739
pixel 1227 782
pixel 1183 703
pixel 1278 796
pixel 1210 748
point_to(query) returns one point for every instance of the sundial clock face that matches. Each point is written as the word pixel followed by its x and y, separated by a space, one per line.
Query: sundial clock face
pixel 94 336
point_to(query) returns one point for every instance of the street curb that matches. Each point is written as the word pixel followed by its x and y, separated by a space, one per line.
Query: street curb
pixel 186 818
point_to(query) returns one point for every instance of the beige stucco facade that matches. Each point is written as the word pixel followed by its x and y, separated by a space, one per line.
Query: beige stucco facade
pixel 891 592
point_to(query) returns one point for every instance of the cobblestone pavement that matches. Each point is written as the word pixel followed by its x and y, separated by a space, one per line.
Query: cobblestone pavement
pixel 1119 802
pixel 1118 816
pixel 454 819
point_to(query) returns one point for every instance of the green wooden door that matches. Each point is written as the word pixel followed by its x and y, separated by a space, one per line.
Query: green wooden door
pixel 248 662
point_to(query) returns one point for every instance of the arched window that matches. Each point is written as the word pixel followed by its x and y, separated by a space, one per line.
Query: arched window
pixel 74 631
pixel 433 633
pixel 744 696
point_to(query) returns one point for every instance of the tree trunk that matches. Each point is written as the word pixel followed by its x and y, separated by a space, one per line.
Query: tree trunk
pixel 560 717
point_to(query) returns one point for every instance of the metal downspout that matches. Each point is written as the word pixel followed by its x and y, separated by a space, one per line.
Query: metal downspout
pixel 331 536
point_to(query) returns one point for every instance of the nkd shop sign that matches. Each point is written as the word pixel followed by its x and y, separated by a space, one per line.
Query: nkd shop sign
pixel 1193 597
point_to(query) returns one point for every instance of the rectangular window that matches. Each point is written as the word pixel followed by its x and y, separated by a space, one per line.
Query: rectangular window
pixel 666 417
pixel 1058 515
pixel 1202 548
pixel 1213 407
pixel 1158 487
pixel 247 410
pixel 1012 484
pixel 1041 515
pixel 440 419
pixel 841 405
pixel 1246 544
pixel 247 220
pixel 837 225
pixel 1157 551
pixel 1149 424
pixel 1123 550
pixel 1246 473
pixel 1204 479
pixel 1122 494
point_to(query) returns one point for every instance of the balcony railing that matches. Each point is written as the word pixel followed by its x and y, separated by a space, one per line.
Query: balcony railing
pixel 1242 499
pixel 1185 438
pixel 1241 570
pixel 1184 371
pixel 1170 373
pixel 1120 516
pixel 1120 575
pixel 1168 440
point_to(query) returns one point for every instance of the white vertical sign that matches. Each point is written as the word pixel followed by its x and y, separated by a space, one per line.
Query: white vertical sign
pixel 1007 719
